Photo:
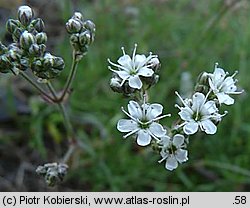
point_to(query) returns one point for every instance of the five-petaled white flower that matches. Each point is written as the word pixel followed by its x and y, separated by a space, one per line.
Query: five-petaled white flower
pixel 132 68
pixel 172 151
pixel 198 112
pixel 143 122
pixel 223 86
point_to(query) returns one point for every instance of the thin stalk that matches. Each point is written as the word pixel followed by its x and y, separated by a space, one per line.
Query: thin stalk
pixel 68 126
pixel 36 86
pixel 70 77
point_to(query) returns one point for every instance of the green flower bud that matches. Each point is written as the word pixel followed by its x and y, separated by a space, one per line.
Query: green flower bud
pixel 85 38
pixel 41 38
pixel 73 26
pixel 48 60
pixel 38 24
pixel 12 25
pixel 74 38
pixel 78 15
pixel 3 48
pixel 17 34
pixel 24 64
pixel 58 63
pixel 89 25
pixel 34 49
pixel 42 48
pixel 25 15
pixel 26 39
pixel 5 64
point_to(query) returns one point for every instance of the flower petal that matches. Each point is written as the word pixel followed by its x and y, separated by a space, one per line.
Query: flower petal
pixel 209 126
pixel 157 130
pixel 135 82
pixel 198 101
pixel 122 74
pixel 145 72
pixel 154 110
pixel 143 138
pixel 219 75
pixel 171 163
pixel 139 59
pixel 190 128
pixel 186 114
pixel 134 109
pixel 178 140
pixel 126 125
pixel 181 155
pixel 208 108
pixel 224 98
pixel 165 141
pixel 125 61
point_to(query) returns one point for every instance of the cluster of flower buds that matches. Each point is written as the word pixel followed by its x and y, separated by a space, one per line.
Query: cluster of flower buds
pixel 134 72
pixel 198 113
pixel 28 50
pixel 53 173
pixel 82 33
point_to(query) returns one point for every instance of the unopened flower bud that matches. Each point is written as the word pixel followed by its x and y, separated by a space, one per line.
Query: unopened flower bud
pixel 17 34
pixel 85 38
pixel 24 64
pixel 26 40
pixel 52 172
pixel 12 25
pixel 3 48
pixel 42 48
pixel 34 49
pixel 73 26
pixel 58 63
pixel 48 60
pixel 41 38
pixel 203 78
pixel 5 64
pixel 38 24
pixel 74 38
pixel 25 15
pixel 155 64
pixel 89 25
pixel 78 15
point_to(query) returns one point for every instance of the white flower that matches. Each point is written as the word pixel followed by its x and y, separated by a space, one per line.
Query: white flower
pixel 143 122
pixel 25 14
pixel 198 112
pixel 132 68
pixel 172 151
pixel 223 86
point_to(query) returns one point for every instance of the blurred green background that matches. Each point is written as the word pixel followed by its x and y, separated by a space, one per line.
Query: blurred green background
pixel 189 36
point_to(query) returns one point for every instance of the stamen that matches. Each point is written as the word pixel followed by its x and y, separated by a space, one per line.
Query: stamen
pixel 123 51
pixel 118 66
pixel 130 133
pixel 183 102
pixel 134 119
pixel 235 73
pixel 134 52
pixel 216 65
pixel 161 117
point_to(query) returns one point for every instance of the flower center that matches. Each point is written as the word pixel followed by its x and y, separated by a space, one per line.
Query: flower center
pixel 197 116
pixel 144 124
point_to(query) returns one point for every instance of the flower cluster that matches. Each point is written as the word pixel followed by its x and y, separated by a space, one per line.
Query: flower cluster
pixel 134 72
pixel 82 33
pixel 52 172
pixel 200 112
pixel 28 50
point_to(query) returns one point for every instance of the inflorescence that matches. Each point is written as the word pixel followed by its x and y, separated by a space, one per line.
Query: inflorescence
pixel 133 76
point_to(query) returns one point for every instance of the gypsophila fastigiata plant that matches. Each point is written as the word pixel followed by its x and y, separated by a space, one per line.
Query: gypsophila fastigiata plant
pixel 28 55
pixel 134 75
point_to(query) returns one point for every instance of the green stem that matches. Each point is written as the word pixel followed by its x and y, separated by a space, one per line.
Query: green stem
pixel 70 77
pixel 36 86
pixel 68 126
